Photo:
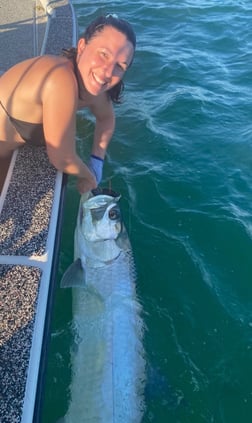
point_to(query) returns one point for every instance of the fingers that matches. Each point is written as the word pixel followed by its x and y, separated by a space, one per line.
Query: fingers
pixel 86 184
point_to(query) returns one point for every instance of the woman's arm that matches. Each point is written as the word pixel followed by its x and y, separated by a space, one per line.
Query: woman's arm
pixel 60 101
pixel 104 127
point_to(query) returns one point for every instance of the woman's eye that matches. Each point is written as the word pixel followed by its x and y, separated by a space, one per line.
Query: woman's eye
pixel 121 67
pixel 104 54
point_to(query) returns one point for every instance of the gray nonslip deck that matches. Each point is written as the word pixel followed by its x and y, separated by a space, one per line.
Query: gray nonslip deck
pixel 29 209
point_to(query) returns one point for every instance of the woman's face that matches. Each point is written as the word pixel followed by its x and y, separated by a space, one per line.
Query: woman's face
pixel 103 61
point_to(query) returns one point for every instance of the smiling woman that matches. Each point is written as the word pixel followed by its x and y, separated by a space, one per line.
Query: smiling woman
pixel 107 62
pixel 40 97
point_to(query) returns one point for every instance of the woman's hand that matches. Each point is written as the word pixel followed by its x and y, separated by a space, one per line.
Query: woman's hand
pixel 86 184
pixel 96 166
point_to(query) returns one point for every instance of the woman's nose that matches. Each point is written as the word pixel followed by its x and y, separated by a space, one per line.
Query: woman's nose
pixel 109 70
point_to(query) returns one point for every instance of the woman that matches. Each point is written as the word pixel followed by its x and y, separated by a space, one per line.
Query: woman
pixel 40 96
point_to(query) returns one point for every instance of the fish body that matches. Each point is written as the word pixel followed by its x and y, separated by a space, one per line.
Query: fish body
pixel 108 366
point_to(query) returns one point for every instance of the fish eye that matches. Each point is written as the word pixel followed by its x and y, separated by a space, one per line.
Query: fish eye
pixel 114 213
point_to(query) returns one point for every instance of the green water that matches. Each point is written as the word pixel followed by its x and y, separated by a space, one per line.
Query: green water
pixel 182 159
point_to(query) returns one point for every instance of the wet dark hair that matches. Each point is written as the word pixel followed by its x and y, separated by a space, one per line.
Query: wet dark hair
pixel 110 20
pixel 97 26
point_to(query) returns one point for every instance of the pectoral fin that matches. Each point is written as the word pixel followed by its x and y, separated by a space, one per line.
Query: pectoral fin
pixel 74 276
pixel 123 240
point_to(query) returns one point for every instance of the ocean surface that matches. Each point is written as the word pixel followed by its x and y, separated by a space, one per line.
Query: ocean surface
pixel 181 157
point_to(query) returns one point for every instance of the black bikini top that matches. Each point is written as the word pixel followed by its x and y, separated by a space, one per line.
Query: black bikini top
pixel 32 133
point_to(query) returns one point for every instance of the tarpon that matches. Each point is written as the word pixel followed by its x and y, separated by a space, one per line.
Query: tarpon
pixel 108 366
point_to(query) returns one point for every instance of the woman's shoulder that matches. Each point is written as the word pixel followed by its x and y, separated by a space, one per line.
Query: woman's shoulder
pixel 40 75
pixel 52 71
pixel 40 66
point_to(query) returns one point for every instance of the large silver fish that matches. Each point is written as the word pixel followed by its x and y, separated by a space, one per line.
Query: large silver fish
pixel 108 366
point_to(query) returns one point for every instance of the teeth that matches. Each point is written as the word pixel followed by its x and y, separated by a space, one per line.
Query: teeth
pixel 100 81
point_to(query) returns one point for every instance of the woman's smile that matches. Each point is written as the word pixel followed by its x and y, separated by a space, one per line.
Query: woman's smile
pixel 97 79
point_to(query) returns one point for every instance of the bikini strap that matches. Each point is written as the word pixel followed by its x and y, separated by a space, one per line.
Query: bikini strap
pixel 1 104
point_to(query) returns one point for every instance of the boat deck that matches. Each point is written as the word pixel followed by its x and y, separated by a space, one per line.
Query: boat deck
pixel 30 208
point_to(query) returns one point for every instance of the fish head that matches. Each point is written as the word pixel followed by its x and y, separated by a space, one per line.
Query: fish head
pixel 100 218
